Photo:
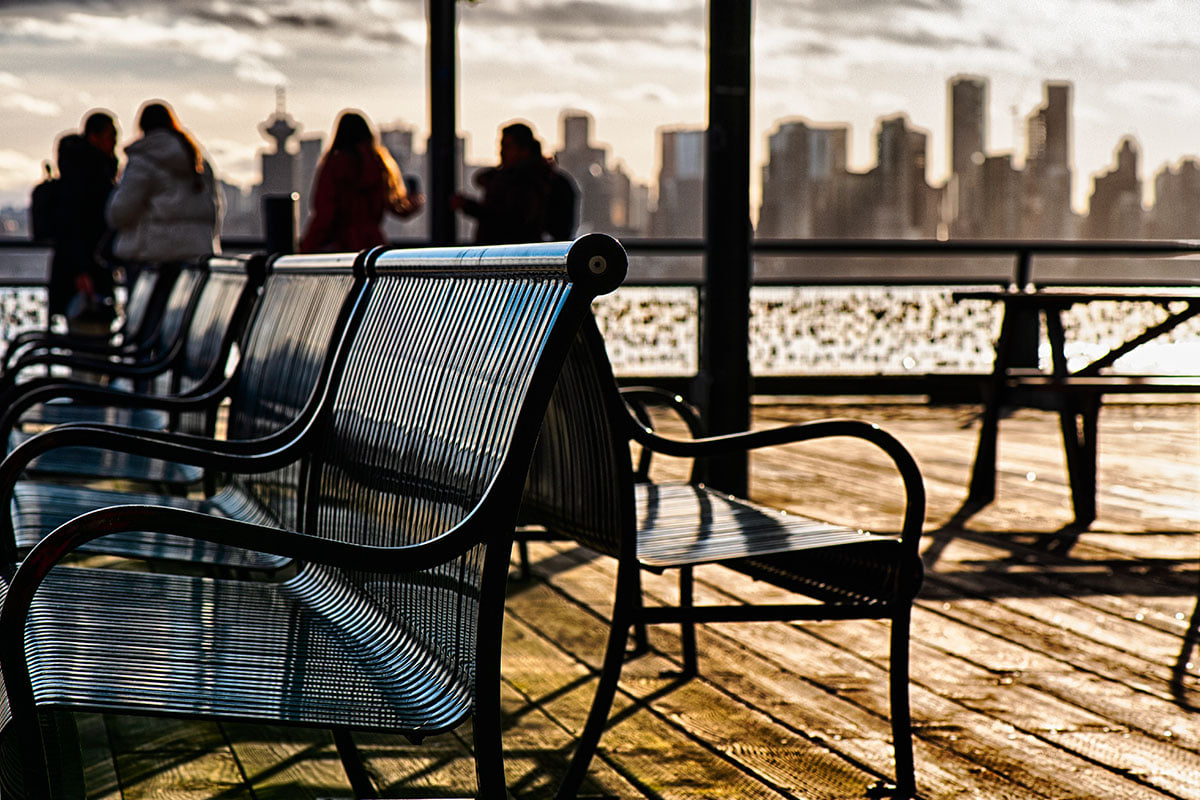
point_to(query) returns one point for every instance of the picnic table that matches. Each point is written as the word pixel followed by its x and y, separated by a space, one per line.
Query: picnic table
pixel 1074 392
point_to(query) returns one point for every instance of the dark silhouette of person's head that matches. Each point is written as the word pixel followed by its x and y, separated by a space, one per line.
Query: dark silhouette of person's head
pixel 518 144
pixel 352 132
pixel 100 129
pixel 158 116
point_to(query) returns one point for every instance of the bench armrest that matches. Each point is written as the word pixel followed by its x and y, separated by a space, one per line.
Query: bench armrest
pixel 910 474
pixel 211 454
pixel 21 399
pixel 639 400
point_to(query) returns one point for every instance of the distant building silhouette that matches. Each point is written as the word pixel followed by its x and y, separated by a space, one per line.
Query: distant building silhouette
pixel 968 150
pixel 906 206
pixel 1115 208
pixel 1047 209
pixel 680 210
pixel 806 183
pixel 1176 210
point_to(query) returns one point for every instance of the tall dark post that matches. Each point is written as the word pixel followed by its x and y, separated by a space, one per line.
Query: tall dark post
pixel 279 222
pixel 723 382
pixel 443 125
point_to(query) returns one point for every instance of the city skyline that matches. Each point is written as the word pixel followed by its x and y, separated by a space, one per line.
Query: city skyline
pixel 635 67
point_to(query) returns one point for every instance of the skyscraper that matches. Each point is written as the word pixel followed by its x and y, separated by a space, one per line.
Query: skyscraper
pixel 680 209
pixel 968 149
pixel 1047 208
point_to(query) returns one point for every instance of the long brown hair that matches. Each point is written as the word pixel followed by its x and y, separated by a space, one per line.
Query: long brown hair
pixel 350 135
pixel 158 115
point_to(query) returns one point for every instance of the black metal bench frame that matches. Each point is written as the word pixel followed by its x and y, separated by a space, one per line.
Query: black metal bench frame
pixel 415 463
pixel 583 486
pixel 184 394
pixel 286 355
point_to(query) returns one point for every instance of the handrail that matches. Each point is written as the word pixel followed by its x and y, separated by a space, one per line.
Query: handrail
pixel 1023 251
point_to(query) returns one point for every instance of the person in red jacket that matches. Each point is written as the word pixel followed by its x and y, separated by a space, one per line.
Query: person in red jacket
pixel 357 181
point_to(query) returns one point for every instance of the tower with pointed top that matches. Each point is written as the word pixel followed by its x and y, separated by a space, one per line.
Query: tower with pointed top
pixel 279 167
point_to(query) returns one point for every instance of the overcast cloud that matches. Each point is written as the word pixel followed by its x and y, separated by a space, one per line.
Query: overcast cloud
pixel 635 65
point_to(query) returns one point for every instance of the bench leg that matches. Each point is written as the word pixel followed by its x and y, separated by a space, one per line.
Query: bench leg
pixel 352 763
pixel 900 706
pixel 627 600
pixel 687 629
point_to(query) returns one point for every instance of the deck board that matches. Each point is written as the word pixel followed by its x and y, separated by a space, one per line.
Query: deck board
pixel 1046 662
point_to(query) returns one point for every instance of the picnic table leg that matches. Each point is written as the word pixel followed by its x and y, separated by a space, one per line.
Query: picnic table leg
pixel 1078 419
pixel 983 472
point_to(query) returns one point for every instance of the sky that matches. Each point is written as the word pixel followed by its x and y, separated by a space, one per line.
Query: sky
pixel 635 65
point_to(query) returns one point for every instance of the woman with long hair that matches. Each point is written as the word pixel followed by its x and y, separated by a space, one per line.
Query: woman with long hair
pixel 167 206
pixel 357 181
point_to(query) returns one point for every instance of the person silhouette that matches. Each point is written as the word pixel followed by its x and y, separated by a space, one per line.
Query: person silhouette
pixel 81 286
pixel 357 181
pixel 167 205
pixel 525 199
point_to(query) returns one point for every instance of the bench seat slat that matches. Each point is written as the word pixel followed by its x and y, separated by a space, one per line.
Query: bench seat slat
pixel 170 642
pixel 682 523
pixel 40 507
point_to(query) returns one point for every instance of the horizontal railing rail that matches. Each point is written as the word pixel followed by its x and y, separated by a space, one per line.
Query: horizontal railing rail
pixel 861 317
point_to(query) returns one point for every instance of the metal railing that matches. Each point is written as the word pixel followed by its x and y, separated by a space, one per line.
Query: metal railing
pixel 857 317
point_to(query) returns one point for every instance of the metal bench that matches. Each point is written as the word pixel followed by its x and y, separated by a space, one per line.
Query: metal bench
pixel 186 392
pixel 139 327
pixel 582 486
pixel 415 463
pixel 306 304
pixel 151 358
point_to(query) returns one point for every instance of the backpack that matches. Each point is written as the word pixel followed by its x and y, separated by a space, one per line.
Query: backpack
pixel 42 205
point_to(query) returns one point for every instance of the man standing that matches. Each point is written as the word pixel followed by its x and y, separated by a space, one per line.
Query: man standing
pixel 81 286
pixel 525 199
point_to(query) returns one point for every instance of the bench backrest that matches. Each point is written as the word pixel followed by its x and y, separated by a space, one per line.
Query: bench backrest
pixel 217 321
pixel 580 482
pixel 305 307
pixel 146 302
pixel 427 432
pixel 176 313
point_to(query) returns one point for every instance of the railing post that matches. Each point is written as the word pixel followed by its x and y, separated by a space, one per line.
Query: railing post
pixel 1026 331
pixel 280 222
pixel 443 92
pixel 723 382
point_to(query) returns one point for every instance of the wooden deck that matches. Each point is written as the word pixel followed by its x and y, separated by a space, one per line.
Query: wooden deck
pixel 1046 663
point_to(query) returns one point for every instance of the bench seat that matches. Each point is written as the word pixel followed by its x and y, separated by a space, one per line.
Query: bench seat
pixel 39 507
pixel 683 523
pixel 318 652
pixel 582 485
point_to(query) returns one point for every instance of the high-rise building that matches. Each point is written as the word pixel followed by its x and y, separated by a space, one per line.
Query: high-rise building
pixel 1176 211
pixel 906 205
pixel 804 181
pixel 968 149
pixel 968 123
pixel 588 167
pixel 1115 208
pixel 1047 204
pixel 680 210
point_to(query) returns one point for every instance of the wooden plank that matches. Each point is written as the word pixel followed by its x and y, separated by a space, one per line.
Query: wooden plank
pixel 284 762
pixel 166 759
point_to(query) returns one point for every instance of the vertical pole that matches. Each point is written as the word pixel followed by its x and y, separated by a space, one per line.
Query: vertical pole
pixel 279 222
pixel 443 126
pixel 723 389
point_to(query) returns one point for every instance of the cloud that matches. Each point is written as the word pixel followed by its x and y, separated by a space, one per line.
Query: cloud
pixel 18 101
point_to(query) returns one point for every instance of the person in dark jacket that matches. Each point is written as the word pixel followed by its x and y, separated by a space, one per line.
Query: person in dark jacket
pixel 357 181
pixel 81 285
pixel 525 199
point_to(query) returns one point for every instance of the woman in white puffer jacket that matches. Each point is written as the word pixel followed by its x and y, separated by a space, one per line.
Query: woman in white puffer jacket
pixel 167 206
